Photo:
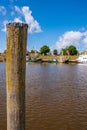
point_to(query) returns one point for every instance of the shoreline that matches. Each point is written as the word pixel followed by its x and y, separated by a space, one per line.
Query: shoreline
pixel 49 59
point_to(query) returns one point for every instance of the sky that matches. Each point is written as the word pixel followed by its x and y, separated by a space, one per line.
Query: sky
pixel 55 23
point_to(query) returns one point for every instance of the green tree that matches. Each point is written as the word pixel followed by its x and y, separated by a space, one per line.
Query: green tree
pixel 69 50
pixel 72 50
pixel 44 50
pixel 63 51
pixel 55 52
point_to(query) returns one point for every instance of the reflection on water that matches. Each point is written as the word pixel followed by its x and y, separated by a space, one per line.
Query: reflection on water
pixel 56 97
pixel 2 97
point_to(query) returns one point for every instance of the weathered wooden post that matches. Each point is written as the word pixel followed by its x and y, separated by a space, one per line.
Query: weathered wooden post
pixel 15 75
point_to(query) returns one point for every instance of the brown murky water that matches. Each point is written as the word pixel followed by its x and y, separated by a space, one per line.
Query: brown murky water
pixel 56 97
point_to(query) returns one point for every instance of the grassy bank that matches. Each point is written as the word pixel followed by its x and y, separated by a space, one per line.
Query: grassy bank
pixel 58 57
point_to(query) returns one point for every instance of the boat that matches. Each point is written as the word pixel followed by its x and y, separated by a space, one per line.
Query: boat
pixel 33 60
pixel 53 61
pixel 82 59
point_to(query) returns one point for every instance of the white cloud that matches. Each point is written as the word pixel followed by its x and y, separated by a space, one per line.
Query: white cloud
pixel 76 38
pixel 27 14
pixel 24 14
pixel 17 9
pixel 85 41
pixel 18 20
pixel 4 23
pixel 29 19
pixel 2 10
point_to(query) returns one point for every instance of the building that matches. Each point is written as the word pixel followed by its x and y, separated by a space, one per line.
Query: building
pixel 85 52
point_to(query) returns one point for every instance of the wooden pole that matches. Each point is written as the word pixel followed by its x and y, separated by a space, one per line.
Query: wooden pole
pixel 15 75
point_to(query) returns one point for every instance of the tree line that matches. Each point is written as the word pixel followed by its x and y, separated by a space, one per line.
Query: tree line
pixel 44 50
pixel 69 50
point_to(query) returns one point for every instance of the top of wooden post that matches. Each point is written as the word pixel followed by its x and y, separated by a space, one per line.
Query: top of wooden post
pixel 16 24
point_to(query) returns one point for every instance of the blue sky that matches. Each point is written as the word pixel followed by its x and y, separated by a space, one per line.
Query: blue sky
pixel 56 23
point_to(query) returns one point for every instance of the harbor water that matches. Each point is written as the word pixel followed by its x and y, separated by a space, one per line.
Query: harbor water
pixel 56 97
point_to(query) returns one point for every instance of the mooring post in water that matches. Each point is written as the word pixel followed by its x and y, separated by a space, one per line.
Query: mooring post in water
pixel 15 75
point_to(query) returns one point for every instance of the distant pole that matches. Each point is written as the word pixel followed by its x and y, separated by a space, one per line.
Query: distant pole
pixel 15 75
